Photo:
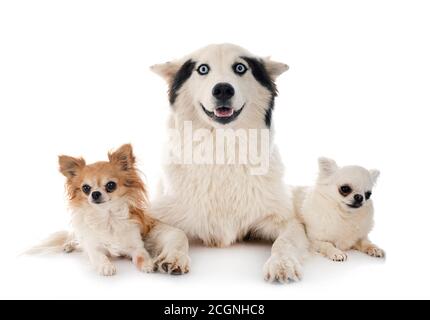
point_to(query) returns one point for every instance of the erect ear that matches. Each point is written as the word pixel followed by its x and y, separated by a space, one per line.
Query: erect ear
pixel 374 174
pixel 274 68
pixel 176 74
pixel 123 157
pixel 327 167
pixel 70 166
pixel 166 70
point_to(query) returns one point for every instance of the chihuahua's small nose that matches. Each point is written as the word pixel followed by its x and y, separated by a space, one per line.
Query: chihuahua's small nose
pixel 358 198
pixel 96 195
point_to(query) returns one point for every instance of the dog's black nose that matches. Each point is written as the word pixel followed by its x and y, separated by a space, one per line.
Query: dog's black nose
pixel 358 198
pixel 223 91
pixel 96 195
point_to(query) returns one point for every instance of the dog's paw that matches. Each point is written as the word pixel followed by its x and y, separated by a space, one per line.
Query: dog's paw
pixel 175 263
pixel 144 263
pixel 107 269
pixel 339 256
pixel 374 251
pixel 282 269
pixel 69 247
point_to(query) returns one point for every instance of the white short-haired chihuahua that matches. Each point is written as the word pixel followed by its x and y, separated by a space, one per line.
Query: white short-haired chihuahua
pixel 338 211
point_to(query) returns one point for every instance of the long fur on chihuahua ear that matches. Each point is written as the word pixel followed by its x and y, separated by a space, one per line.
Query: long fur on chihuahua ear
pixel 123 157
pixel 327 167
pixel 375 175
pixel 70 166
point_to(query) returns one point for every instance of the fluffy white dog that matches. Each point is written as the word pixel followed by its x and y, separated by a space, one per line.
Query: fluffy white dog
pixel 226 87
pixel 338 210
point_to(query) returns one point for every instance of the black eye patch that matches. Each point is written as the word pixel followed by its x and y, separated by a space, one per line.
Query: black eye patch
pixel 180 78
pixel 262 76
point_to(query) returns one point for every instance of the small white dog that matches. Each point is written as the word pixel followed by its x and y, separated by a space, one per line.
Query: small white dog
pixel 338 211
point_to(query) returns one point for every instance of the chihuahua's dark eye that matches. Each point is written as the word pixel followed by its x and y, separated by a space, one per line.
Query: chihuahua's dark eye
pixel 345 190
pixel 110 186
pixel 368 194
pixel 239 68
pixel 86 189
pixel 203 69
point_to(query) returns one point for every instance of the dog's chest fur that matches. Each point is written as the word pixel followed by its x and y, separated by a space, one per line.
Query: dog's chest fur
pixel 325 221
pixel 111 229
pixel 221 204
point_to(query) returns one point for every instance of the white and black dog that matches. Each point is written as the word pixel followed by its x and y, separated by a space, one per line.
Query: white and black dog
pixel 226 87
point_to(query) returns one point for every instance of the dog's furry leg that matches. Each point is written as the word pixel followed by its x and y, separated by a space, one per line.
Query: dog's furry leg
pixel 170 247
pixel 142 260
pixel 367 247
pixel 99 260
pixel 288 251
pixel 328 250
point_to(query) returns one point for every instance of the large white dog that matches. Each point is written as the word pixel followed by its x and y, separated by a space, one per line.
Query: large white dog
pixel 226 87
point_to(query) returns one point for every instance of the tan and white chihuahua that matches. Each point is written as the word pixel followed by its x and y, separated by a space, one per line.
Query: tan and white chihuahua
pixel 109 217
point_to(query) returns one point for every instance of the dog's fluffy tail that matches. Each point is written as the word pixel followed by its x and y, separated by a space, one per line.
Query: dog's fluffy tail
pixel 57 242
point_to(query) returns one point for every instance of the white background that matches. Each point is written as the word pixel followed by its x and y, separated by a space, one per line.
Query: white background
pixel 75 79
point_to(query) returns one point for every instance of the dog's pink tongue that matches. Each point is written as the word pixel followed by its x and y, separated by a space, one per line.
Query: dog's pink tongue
pixel 224 112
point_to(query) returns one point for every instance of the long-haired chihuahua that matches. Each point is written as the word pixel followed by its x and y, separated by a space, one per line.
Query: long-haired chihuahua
pixel 109 217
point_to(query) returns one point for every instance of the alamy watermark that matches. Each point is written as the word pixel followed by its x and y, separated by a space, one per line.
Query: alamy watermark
pixel 248 147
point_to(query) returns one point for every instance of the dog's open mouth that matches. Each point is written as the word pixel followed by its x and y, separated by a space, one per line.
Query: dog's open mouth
pixel 223 114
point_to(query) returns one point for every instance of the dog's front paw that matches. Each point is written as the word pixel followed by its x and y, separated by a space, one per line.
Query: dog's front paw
pixel 175 263
pixel 374 251
pixel 107 269
pixel 282 269
pixel 339 256
pixel 144 263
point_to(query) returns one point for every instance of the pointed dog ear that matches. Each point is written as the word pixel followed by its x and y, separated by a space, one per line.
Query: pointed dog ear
pixel 274 68
pixel 327 167
pixel 166 70
pixel 176 74
pixel 70 166
pixel 375 175
pixel 123 157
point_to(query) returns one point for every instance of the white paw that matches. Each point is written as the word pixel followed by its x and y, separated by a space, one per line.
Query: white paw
pixel 338 256
pixel 282 269
pixel 107 269
pixel 148 267
pixel 375 252
pixel 175 263
pixel 69 247
pixel 144 263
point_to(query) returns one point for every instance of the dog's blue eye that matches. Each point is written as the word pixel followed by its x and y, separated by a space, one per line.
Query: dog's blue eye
pixel 86 189
pixel 239 68
pixel 203 69
pixel 368 194
pixel 110 186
